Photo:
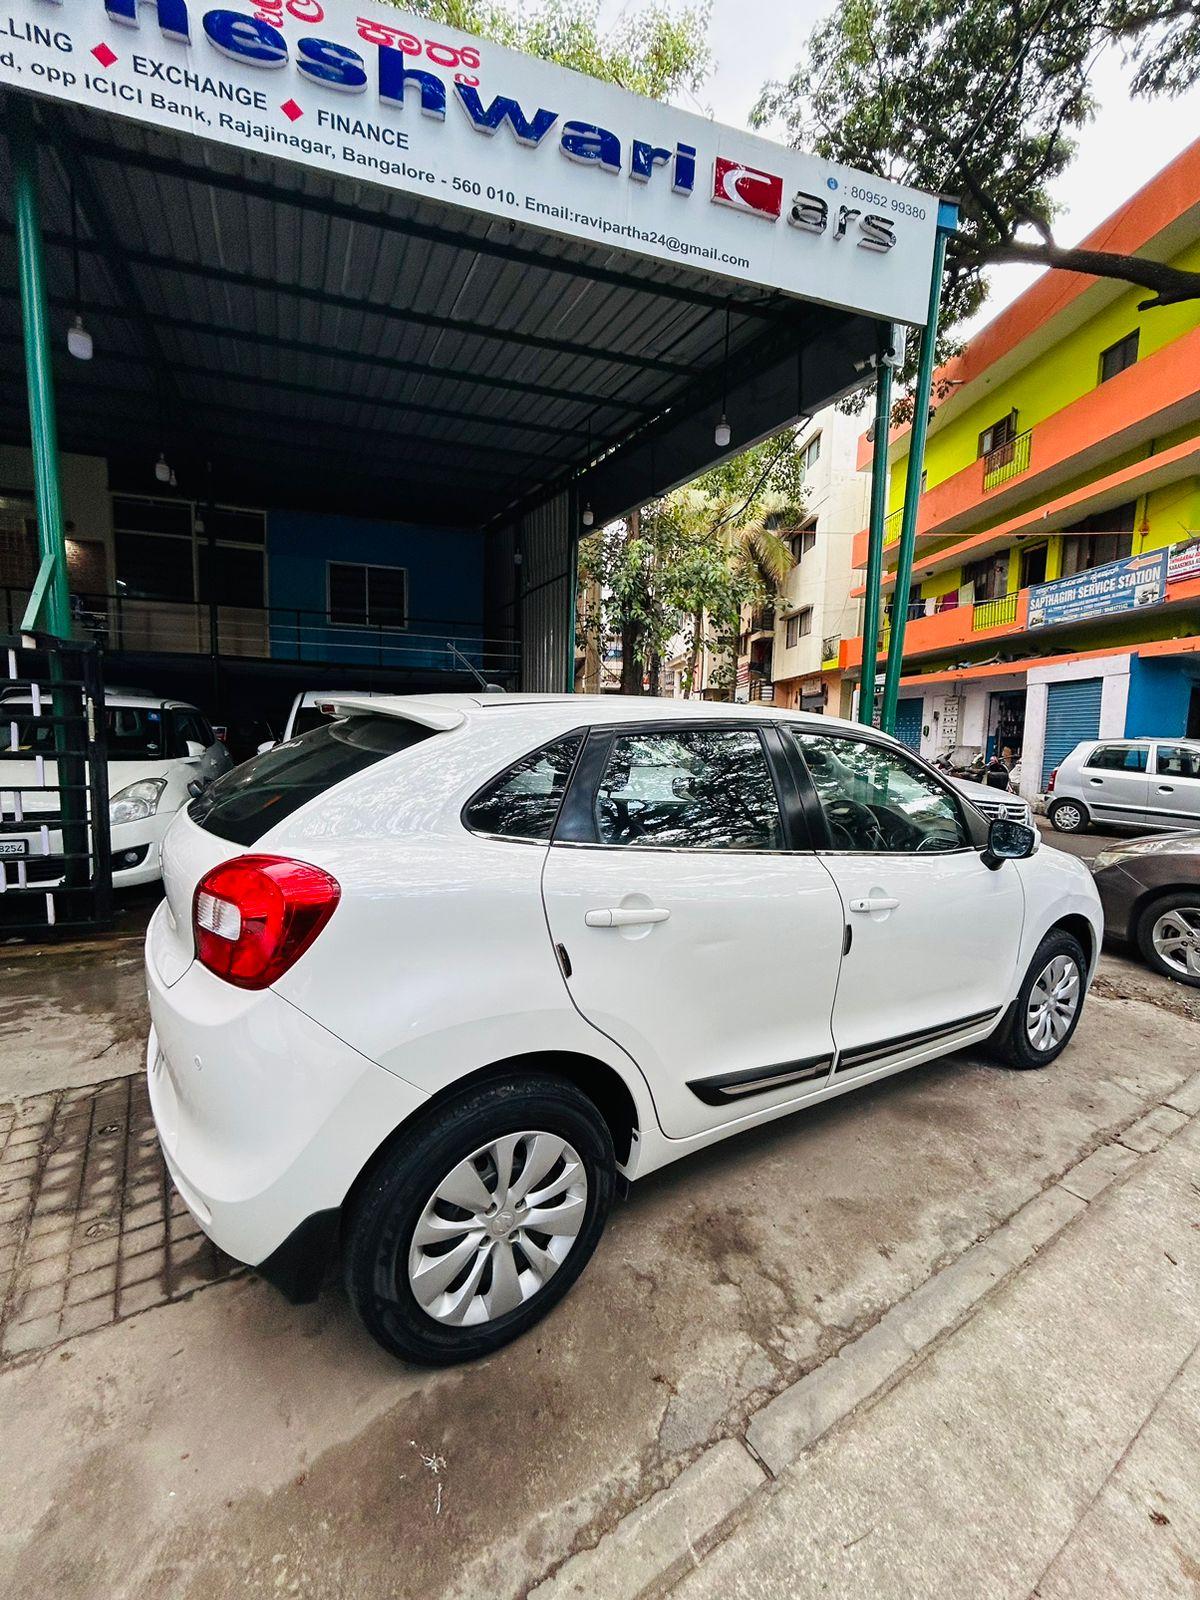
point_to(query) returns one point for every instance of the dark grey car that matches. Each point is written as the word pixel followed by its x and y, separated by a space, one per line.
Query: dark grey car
pixel 1150 890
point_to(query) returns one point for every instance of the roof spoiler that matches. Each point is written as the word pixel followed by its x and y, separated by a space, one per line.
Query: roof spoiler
pixel 439 718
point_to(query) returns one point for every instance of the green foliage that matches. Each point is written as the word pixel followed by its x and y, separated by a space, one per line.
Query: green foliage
pixel 655 51
pixel 984 101
pixel 689 562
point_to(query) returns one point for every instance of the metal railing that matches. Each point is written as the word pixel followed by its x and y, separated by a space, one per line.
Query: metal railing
pixel 994 613
pixel 762 620
pixel 762 689
pixel 118 622
pixel 1007 460
pixel 55 859
pixel 891 525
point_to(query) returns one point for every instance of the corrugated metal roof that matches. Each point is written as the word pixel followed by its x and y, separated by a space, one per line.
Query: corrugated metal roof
pixel 293 331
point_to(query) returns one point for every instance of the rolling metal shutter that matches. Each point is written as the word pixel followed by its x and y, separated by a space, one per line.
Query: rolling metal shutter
pixel 908 723
pixel 1072 715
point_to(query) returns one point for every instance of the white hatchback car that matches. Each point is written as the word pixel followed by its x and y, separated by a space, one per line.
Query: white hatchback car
pixel 432 979
pixel 155 749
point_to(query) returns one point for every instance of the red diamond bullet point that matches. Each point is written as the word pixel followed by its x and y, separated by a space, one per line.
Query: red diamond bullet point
pixel 291 110
pixel 104 55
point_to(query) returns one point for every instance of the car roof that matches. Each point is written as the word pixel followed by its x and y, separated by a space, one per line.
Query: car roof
pixel 568 710
pixel 118 699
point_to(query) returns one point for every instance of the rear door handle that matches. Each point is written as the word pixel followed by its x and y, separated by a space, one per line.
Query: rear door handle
pixel 1096 781
pixel 624 917
pixel 1166 788
pixel 881 902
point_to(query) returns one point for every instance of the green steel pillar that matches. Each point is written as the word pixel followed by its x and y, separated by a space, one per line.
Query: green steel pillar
pixel 879 463
pixel 49 605
pixel 947 223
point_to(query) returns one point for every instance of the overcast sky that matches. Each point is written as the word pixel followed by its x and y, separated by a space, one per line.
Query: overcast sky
pixel 754 40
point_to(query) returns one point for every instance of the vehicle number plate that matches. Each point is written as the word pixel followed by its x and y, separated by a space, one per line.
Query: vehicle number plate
pixel 13 847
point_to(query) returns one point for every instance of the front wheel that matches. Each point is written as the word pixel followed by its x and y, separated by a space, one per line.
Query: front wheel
pixel 1037 1027
pixel 480 1219
pixel 1168 935
pixel 1068 816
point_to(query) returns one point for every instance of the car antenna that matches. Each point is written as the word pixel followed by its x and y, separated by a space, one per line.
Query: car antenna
pixel 490 688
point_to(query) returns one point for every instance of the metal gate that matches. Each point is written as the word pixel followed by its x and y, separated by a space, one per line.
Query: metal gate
pixel 1072 715
pixel 908 723
pixel 55 864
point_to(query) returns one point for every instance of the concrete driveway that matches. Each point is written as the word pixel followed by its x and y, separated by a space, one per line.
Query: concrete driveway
pixel 170 1427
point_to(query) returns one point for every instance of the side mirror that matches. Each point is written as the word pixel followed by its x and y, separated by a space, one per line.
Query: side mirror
pixel 267 744
pixel 194 748
pixel 1008 841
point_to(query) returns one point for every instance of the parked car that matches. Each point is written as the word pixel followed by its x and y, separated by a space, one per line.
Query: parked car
pixel 307 713
pixel 1150 890
pixel 1126 783
pixel 155 749
pixel 431 979
pixel 994 802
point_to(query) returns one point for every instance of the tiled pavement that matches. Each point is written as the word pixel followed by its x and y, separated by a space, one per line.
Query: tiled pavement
pixel 91 1229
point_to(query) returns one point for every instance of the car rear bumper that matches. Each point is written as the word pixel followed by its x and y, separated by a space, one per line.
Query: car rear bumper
pixel 264 1117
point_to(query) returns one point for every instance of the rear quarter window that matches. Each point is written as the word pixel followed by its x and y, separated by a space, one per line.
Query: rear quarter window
pixel 245 803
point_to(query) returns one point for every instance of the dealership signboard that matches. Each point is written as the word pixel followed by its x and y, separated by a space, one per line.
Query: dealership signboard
pixel 1185 561
pixel 368 92
pixel 1101 591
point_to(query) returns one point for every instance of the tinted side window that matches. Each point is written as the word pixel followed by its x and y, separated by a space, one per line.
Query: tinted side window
pixel 876 800
pixel 1177 761
pixel 523 802
pixel 244 803
pixel 191 725
pixel 698 789
pixel 1119 758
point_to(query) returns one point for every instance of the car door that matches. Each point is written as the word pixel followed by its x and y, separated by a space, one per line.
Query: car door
pixel 1114 785
pixel 694 929
pixel 1174 787
pixel 934 933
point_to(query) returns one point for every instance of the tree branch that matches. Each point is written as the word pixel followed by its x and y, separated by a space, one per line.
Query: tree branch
pixel 1171 285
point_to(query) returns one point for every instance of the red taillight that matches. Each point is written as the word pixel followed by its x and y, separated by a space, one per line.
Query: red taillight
pixel 1050 781
pixel 255 916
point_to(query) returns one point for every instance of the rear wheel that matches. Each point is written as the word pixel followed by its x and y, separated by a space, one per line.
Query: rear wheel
pixel 1038 1026
pixel 1168 935
pixel 1068 816
pixel 480 1219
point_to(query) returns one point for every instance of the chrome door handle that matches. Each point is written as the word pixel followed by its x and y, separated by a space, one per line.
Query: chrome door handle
pixel 881 902
pixel 624 917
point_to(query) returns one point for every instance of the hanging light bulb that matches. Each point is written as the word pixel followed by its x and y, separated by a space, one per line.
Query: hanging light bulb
pixel 173 480
pixel 722 433
pixel 79 341
pixel 589 515
pixel 161 470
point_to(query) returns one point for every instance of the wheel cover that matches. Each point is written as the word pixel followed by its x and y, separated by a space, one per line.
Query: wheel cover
pixel 1067 816
pixel 1176 940
pixel 497 1228
pixel 1053 1002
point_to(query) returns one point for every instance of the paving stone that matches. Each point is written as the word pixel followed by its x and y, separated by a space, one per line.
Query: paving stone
pixel 1155 1128
pixel 663 1536
pixel 943 1300
pixel 22 1336
pixel 140 1297
pixel 82 1319
pixel 91 1285
pixel 1024 1234
pixel 795 1419
pixel 1098 1170
pixel 1187 1097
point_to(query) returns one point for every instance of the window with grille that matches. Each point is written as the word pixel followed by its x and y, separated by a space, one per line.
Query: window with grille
pixel 363 596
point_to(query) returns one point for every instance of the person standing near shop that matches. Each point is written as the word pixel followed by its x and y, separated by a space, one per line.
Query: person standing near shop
pixel 995 774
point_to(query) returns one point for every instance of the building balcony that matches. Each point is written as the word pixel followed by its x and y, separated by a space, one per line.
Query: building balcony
pixel 1149 399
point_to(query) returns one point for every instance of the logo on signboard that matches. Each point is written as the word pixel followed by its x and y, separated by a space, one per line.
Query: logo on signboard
pixel 747 188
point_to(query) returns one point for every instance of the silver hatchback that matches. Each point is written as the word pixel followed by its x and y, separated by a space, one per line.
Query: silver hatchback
pixel 1127 783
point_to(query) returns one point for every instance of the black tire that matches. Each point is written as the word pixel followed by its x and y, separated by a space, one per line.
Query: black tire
pixel 381 1223
pixel 1011 1042
pixel 1144 933
pixel 1069 816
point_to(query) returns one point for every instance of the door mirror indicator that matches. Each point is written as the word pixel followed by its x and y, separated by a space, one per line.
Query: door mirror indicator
pixel 1008 841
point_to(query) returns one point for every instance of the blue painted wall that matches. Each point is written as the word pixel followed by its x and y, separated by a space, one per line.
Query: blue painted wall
pixel 445 589
pixel 1159 693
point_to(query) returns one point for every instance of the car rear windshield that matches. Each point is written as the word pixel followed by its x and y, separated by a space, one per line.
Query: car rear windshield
pixel 243 804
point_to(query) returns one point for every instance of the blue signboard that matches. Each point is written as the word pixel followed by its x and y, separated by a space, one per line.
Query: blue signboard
pixel 1116 586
